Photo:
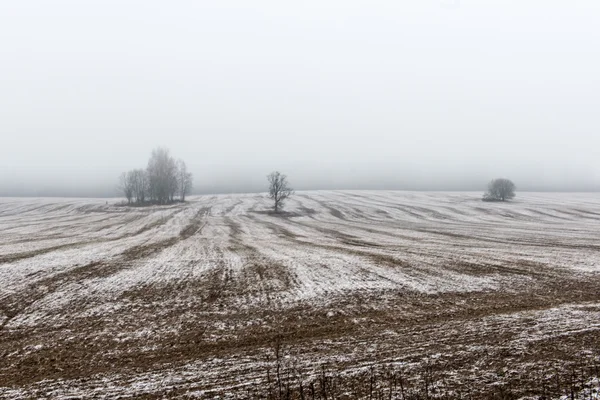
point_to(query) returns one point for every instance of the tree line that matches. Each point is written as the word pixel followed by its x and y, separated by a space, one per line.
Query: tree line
pixel 164 180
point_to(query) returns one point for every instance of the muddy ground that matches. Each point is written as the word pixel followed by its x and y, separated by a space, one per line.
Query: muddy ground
pixel 352 291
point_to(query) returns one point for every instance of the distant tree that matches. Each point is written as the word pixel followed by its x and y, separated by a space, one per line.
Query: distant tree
pixel 278 189
pixel 162 176
pixel 184 179
pixel 173 185
pixel 140 185
pixel 159 183
pixel 500 190
pixel 126 185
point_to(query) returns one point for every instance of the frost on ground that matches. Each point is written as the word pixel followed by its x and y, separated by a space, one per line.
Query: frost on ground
pixel 98 300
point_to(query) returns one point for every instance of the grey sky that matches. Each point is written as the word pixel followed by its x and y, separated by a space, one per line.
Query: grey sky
pixel 338 94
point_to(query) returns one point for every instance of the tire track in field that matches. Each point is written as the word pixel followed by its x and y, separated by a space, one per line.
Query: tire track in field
pixel 385 202
pixel 260 276
pixel 12 257
pixel 326 205
pixel 358 245
pixel 353 245
pixel 413 210
pixel 59 234
pixel 15 304
pixel 508 268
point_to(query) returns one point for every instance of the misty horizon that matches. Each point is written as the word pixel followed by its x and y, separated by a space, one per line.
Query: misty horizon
pixel 222 181
pixel 345 96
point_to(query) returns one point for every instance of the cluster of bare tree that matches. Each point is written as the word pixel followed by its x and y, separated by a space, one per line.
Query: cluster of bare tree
pixel 161 181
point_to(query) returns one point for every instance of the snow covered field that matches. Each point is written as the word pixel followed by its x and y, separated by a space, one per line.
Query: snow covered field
pixel 98 300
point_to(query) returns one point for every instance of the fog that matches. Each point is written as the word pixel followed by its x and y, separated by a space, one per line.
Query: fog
pixel 416 95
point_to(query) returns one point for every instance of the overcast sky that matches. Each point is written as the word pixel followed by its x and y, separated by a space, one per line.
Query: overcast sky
pixel 415 94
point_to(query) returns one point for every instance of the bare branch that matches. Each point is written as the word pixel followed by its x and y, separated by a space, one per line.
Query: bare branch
pixel 278 189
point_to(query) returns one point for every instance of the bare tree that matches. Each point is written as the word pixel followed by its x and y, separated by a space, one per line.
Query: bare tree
pixel 500 190
pixel 162 176
pixel 184 179
pixel 160 182
pixel 140 185
pixel 173 184
pixel 126 185
pixel 278 189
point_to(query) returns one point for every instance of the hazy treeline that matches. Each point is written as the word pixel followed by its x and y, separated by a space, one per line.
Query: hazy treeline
pixel 161 182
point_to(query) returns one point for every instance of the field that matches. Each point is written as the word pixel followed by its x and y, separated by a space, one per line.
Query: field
pixel 345 294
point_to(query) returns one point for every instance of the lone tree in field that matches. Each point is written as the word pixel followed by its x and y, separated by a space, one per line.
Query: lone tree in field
pixel 500 190
pixel 278 189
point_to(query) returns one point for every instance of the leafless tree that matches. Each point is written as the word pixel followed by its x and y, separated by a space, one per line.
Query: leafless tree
pixel 278 189
pixel 126 185
pixel 173 185
pixel 140 185
pixel 500 190
pixel 162 176
pixel 184 179
pixel 160 182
